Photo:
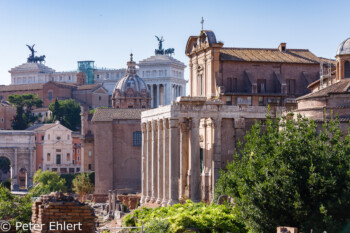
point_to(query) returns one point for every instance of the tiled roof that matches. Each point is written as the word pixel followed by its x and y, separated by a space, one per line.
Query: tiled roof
pixel 339 87
pixel 22 87
pixel 269 55
pixel 109 114
pixel 88 87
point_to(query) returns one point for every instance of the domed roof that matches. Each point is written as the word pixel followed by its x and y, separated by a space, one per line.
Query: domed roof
pixel 344 47
pixel 131 79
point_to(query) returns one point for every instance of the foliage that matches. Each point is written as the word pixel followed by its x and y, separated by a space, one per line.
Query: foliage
pixel 24 105
pixel 70 177
pixel 176 218
pixel 15 208
pixel 47 182
pixel 82 185
pixel 290 174
pixel 92 111
pixel 67 112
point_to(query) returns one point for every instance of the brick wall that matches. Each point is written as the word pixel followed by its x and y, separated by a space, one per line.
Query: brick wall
pixel 56 207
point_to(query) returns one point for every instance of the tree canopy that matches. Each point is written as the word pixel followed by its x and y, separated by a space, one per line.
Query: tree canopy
pixel 46 182
pixel 289 173
pixel 24 105
pixel 82 185
pixel 67 112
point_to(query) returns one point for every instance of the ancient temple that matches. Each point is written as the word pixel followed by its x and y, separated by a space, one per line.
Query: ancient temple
pixel 185 144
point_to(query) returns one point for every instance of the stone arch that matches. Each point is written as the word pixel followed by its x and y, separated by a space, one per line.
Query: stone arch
pixel 13 173
pixel 23 178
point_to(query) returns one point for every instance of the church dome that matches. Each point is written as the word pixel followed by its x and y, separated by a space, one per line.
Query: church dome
pixel 131 80
pixel 344 47
pixel 131 91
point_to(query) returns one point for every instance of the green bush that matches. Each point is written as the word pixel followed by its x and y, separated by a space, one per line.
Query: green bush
pixel 289 173
pixel 176 218
pixel 46 182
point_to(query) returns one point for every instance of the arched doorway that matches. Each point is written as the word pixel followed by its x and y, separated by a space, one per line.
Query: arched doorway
pixel 5 172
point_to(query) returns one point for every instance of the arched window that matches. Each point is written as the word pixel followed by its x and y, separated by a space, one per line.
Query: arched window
pixel 347 69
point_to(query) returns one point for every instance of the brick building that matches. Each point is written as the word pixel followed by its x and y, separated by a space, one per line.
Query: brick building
pixel 117 137
pixel 7 113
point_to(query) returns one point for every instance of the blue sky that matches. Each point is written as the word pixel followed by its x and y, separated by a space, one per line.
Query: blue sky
pixel 107 31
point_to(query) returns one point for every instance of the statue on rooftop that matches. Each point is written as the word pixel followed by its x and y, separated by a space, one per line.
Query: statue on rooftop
pixel 160 50
pixel 32 58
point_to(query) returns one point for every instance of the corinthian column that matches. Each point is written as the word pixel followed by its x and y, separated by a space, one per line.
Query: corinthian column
pixel 160 162
pixel 174 165
pixel 143 163
pixel 195 162
pixel 154 162
pixel 216 163
pixel 183 156
pixel 148 162
pixel 165 162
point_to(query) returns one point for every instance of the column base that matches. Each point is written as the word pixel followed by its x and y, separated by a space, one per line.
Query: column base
pixel 143 200
pixel 147 199
pixel 173 202
pixel 153 199
pixel 196 201
pixel 158 201
pixel 164 203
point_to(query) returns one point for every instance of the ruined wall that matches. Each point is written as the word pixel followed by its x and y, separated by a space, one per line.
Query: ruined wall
pixel 52 210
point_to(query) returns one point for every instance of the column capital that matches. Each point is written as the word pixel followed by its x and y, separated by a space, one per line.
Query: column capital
pixel 217 122
pixel 154 125
pixel 173 123
pixel 160 124
pixel 184 125
pixel 166 123
pixel 143 127
pixel 149 126
pixel 194 122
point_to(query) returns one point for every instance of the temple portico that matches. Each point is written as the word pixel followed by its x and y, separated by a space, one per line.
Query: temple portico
pixel 183 148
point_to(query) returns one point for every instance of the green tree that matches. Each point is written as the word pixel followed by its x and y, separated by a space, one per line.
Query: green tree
pixel 67 112
pixel 82 185
pixel 289 173
pixel 24 105
pixel 46 182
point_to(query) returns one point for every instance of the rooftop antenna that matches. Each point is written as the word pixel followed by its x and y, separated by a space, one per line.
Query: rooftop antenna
pixel 202 22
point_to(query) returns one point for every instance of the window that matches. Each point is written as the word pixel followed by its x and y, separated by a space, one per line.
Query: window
pixel 98 76
pixel 347 69
pixel 73 151
pixel 50 95
pixel 136 138
pixel 58 138
pixel 89 166
pixel 60 78
pixel 39 166
pixel 48 157
pixel 2 120
pixel 200 85
pixel 228 100
pixel 107 76
pixel 130 106
pixel 68 157
pixel 290 86
pixel 42 138
pixel 249 99
pixel 78 151
pixel 58 159
pixel 261 85
pixel 78 158
pixel 90 153
pixel 261 101
pixel 78 169
pixel 71 170
pixel 68 137
pixel 48 136
pixel 99 98
pixel 73 161
pixel 69 78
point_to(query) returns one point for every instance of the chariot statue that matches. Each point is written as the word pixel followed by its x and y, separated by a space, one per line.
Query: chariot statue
pixel 32 58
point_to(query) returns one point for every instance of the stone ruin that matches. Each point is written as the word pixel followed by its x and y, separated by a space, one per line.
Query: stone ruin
pixel 57 212
pixel 287 230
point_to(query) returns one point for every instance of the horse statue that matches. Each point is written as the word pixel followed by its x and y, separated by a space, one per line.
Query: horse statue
pixel 170 51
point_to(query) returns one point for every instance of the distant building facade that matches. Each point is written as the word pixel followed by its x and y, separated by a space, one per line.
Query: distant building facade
pixel 164 76
pixel 7 113
pixel 55 148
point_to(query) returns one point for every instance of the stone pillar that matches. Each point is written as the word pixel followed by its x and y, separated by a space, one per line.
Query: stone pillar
pixel 191 77
pixel 149 161
pixel 152 97
pixel 165 99
pixel 216 163
pixel 195 193
pixel 165 162
pixel 158 95
pixel 143 163
pixel 154 162
pixel 184 140
pixel 174 162
pixel 160 152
